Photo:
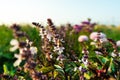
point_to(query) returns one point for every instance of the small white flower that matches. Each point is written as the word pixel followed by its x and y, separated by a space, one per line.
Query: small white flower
pixel 103 40
pixel 118 43
pixel 33 50
pixel 21 50
pixel 93 35
pixel 13 48
pixel 14 42
pixel 75 69
pixel 62 40
pixel 85 51
pixel 58 49
pixel 41 31
pixel 55 49
pixel 15 45
pixel 19 57
pixel 42 36
pixel 80 68
pixel 102 35
pixel 45 32
pixel 29 42
pixel 61 50
pixel 113 54
pixel 49 36
pixel 61 57
pixel 85 61
pixel 97 52
pixel 119 54
pixel 17 62
pixel 51 56
pixel 79 60
pixel 58 59
pixel 92 43
pixel 82 38
pixel 54 40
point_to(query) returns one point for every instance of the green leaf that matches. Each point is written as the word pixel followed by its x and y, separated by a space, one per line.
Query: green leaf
pixel 111 66
pixel 6 55
pixel 86 76
pixel 60 71
pixel 96 59
pixel 76 74
pixel 46 69
pixel 68 69
pixel 6 71
pixel 55 73
pixel 92 68
pixel 57 67
pixel 103 59
pixel 106 65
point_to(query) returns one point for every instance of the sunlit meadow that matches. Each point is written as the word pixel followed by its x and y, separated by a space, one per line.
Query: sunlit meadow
pixel 59 40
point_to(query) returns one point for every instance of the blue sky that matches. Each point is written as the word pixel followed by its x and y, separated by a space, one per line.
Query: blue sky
pixel 61 11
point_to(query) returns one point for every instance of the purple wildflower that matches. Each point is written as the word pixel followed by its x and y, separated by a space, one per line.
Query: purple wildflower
pixel 77 28
pixel 86 22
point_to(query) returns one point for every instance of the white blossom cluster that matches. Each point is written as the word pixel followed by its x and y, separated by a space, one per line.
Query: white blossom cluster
pixel 85 57
pixel 51 37
pixel 15 45
pixel 98 36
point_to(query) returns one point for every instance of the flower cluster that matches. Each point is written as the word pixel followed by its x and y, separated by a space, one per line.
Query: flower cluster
pixel 86 26
pixel 100 41
pixel 27 52
pixel 50 38
pixel 25 47
pixel 98 36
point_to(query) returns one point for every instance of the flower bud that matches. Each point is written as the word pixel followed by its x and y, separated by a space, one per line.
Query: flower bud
pixel 82 38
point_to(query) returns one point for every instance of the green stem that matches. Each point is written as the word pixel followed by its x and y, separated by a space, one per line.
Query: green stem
pixel 66 77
